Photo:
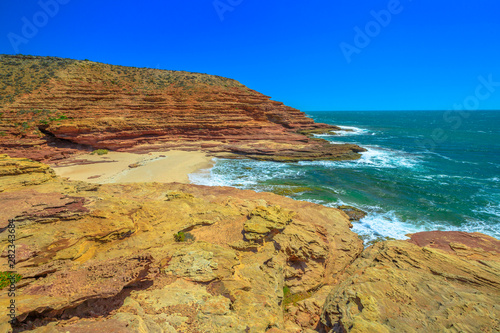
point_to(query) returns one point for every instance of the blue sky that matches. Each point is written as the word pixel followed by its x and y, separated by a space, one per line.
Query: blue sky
pixel 419 54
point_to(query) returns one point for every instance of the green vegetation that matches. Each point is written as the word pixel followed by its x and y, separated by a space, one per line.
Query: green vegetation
pixel 32 118
pixel 100 152
pixel 289 298
pixel 5 279
pixel 20 74
pixel 61 117
pixel 182 236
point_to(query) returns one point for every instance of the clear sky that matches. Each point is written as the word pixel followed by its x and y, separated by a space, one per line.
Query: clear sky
pixel 317 55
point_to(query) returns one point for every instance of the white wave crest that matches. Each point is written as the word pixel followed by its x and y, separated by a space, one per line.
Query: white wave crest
pixel 242 173
pixel 351 130
pixel 379 225
pixel 490 209
pixel 382 225
pixel 387 159
pixel 373 157
pixel 447 158
pixel 347 131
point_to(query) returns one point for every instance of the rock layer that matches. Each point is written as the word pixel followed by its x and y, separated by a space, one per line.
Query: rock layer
pixel 54 107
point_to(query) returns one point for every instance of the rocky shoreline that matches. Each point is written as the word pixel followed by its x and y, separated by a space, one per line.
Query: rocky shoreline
pixel 95 257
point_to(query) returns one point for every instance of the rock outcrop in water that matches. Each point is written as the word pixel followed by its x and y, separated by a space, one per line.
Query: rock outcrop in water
pixel 52 107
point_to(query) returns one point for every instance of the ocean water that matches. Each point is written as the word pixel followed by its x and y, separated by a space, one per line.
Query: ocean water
pixel 424 170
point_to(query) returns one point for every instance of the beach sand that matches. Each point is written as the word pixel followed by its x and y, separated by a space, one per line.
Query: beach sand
pixel 118 167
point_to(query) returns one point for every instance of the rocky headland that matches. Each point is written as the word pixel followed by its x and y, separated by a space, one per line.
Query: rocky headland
pixel 151 257
pixel 51 108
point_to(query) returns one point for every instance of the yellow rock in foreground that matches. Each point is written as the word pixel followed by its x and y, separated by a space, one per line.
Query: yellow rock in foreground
pixel 397 286
pixel 96 257
pixel 103 258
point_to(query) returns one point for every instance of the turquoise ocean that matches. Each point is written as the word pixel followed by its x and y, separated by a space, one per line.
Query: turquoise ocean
pixel 423 170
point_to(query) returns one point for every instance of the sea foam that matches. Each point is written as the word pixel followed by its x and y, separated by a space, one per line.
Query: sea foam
pixel 381 225
pixel 242 173
pixel 373 158
pixel 347 131
pixel 351 130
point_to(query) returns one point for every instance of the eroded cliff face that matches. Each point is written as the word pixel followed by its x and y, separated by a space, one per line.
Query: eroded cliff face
pixel 53 107
pixel 96 257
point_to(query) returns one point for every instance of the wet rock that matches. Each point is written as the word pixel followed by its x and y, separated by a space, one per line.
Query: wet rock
pixel 354 213
pixel 134 165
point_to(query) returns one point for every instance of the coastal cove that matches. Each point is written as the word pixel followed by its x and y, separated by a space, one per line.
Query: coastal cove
pixel 403 185
pixel 106 224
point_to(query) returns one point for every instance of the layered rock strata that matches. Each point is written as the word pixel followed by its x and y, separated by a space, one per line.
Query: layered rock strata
pixel 54 107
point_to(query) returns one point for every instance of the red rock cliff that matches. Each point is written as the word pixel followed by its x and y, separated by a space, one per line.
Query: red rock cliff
pixel 52 107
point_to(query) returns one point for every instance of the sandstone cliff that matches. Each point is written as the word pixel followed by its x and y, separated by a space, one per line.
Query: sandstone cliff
pixel 52 107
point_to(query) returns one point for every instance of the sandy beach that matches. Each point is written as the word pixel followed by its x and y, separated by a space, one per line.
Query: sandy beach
pixel 119 167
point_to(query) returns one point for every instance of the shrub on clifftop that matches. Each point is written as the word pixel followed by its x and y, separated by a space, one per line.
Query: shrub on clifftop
pixel 182 236
pixel 100 152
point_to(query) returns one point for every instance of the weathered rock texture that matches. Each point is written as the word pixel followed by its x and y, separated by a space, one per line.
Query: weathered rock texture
pixel 97 258
pixel 52 107
pixel 397 286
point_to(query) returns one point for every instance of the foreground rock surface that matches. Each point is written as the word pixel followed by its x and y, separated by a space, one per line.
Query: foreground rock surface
pixel 398 286
pixel 52 107
pixel 103 257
